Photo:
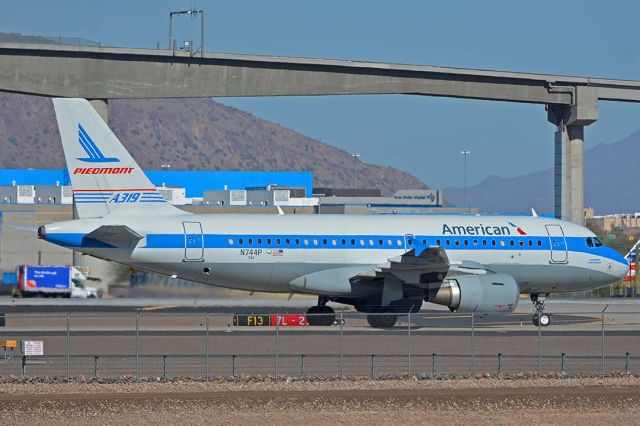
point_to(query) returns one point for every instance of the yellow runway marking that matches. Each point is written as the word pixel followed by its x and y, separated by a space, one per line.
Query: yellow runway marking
pixel 157 308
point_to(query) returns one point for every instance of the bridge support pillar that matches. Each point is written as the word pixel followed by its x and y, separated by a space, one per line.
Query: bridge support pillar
pixel 569 152
pixel 102 107
pixel 569 173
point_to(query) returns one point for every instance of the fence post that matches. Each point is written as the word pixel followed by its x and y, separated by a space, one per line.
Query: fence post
pixel 24 365
pixel 68 346
pixel 373 356
pixel 341 345
pixel 206 347
pixel 539 348
pixel 433 364
pixel 137 347
pixel 602 343
pixel 277 344
pixel 409 345
pixel 233 366
pixel 562 363
pixel 626 363
pixel 473 344
pixel 499 363
pixel 164 366
pixel 301 366
pixel 96 366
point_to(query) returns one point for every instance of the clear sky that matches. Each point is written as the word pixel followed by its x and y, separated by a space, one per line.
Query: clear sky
pixel 419 134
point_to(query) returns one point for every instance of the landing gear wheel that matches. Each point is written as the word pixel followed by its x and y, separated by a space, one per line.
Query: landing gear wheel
pixel 540 318
pixel 382 320
pixel 321 316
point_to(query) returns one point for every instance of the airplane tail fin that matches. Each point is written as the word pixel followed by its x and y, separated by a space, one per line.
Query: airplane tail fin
pixel 104 176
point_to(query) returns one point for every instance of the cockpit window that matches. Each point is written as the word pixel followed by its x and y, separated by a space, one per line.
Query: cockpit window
pixel 594 242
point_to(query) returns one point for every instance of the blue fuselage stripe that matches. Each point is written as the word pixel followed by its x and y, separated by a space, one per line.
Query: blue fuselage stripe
pixel 351 242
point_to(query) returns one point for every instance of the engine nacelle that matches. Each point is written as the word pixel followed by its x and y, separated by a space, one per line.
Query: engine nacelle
pixel 483 293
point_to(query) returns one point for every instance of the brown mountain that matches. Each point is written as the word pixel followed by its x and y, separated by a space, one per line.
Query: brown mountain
pixel 190 134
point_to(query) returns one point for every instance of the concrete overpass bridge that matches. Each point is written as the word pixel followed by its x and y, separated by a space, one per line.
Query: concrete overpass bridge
pixel 100 74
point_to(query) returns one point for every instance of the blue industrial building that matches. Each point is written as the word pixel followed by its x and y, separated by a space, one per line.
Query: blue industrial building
pixel 195 182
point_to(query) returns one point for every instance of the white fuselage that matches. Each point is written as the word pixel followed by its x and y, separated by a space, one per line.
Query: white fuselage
pixel 266 252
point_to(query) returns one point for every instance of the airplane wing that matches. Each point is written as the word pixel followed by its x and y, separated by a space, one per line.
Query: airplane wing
pixel 430 265
pixel 120 236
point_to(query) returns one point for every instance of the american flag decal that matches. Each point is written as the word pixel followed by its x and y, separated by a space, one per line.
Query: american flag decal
pixel 277 252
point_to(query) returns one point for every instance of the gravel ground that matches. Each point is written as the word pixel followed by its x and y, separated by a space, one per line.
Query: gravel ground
pixel 452 401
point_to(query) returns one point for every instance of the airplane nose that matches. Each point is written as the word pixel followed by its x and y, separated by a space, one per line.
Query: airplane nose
pixel 620 266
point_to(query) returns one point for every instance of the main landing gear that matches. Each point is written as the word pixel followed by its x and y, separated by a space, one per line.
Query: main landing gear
pixel 321 315
pixel 540 318
pixel 382 319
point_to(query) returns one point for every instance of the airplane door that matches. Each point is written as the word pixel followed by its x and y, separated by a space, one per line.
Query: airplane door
pixel 409 242
pixel 193 241
pixel 558 243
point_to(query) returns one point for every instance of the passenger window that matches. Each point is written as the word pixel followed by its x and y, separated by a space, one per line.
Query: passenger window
pixel 456 242
pixel 437 242
pixel 362 242
pixel 447 243
pixel 324 241
pixel 278 241
pixel 466 242
pixel 269 241
pixel 334 242
pixel 297 241
pixel 409 242
pixel 344 242
pixel 371 242
pixel 353 242
pixel 380 242
pixel 240 241
pixel 530 243
pixel 539 243
pixel 389 242
pixel 484 242
pixel 250 240
pixel 399 242
pixel 475 243
pixel 502 243
pixel 512 243
pixel 493 243
pixel 315 242
pixel 287 241
pixel 424 242
pixel 259 240
pixel 230 241
pixel 306 242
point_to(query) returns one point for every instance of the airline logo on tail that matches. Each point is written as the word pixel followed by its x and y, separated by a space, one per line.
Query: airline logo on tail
pixel 92 150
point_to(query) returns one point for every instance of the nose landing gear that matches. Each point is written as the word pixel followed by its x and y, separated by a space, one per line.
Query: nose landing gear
pixel 540 318
pixel 321 315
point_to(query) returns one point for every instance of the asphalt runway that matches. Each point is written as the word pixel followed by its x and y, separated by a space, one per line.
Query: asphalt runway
pixel 177 338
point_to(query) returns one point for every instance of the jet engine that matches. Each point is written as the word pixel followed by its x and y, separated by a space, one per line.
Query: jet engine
pixel 483 293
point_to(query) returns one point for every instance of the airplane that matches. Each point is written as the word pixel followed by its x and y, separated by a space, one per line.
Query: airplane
pixel 382 265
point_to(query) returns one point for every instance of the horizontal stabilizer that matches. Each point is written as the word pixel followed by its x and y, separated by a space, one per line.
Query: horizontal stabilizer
pixel 120 236
pixel 33 229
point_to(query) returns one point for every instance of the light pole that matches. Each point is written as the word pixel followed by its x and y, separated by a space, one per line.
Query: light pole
pixel 465 152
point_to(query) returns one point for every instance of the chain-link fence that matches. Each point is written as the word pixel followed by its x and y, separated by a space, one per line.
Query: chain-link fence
pixel 207 345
